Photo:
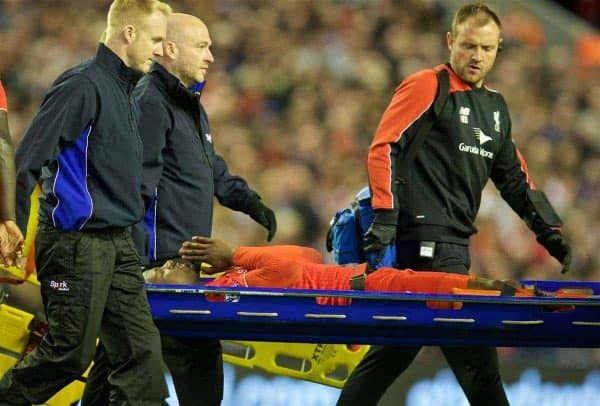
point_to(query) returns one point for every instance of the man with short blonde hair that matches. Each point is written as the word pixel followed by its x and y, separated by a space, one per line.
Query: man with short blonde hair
pixel 83 147
pixel 125 12
pixel 133 27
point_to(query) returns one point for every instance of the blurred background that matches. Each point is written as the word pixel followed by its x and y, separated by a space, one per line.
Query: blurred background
pixel 297 90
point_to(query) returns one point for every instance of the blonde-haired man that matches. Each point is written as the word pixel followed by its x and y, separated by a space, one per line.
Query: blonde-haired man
pixel 83 147
pixel 135 30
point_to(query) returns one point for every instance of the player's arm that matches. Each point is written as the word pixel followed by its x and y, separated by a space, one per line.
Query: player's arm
pixel 11 238
pixel 7 164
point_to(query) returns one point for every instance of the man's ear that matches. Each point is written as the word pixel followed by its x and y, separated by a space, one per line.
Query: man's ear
pixel 129 34
pixel 449 40
pixel 500 46
pixel 170 49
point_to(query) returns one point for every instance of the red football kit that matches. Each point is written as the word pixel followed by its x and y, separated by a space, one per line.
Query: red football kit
pixel 295 267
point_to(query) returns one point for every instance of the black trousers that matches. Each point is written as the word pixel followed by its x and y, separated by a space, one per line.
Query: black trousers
pixel 475 368
pixel 91 287
pixel 196 366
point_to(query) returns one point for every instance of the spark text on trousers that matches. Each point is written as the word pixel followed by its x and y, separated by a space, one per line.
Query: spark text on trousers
pixel 61 286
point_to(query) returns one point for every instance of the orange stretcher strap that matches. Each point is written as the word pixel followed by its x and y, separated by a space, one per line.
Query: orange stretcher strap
pixel 475 292
pixel 460 291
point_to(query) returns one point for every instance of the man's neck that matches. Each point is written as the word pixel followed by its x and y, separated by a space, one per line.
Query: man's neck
pixel 119 49
pixel 170 67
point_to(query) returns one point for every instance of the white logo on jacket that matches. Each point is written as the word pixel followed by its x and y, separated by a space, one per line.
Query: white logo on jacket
pixel 477 150
pixel 208 137
pixel 480 135
pixel 497 121
pixel 464 112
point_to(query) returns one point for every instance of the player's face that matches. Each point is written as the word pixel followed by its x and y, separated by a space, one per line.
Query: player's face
pixel 473 50
pixel 172 272
pixel 150 33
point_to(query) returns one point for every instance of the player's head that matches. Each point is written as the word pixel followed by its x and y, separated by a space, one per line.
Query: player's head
pixel 135 30
pixel 186 50
pixel 474 42
pixel 173 271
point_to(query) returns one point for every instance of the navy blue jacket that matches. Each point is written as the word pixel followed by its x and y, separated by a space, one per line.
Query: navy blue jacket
pixel 182 173
pixel 84 148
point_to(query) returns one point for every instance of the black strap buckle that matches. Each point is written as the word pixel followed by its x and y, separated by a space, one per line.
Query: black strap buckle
pixel 357 282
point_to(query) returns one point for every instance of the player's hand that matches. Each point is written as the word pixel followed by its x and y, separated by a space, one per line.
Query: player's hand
pixel 11 243
pixel 213 251
pixel 557 246
pixel 263 215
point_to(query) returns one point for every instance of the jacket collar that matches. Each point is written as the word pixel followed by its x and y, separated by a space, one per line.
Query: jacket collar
pixel 111 62
pixel 171 84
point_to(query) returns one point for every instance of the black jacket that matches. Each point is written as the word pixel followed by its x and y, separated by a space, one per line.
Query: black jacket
pixel 469 144
pixel 182 173
pixel 83 146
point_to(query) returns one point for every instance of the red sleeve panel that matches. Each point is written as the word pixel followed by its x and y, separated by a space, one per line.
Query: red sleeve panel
pixel 270 268
pixel 2 98
pixel 524 168
pixel 411 100
pixel 393 280
pixel 259 257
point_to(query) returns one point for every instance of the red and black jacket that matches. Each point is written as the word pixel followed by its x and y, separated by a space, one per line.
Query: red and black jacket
pixel 468 144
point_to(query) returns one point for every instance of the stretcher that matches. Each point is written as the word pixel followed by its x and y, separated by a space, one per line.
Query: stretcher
pixel 286 315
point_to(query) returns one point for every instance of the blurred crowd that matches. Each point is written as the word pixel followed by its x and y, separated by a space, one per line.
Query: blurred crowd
pixel 297 90
pixel 589 10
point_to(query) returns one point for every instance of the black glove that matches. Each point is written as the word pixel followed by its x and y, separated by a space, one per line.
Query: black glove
pixel 382 231
pixel 557 246
pixel 262 215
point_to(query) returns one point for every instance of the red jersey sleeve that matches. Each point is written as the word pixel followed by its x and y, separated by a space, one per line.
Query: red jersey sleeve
pixel 407 280
pixel 260 257
pixel 2 98
pixel 411 100
pixel 268 267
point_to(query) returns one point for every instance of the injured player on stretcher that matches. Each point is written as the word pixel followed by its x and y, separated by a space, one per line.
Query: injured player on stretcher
pixel 296 267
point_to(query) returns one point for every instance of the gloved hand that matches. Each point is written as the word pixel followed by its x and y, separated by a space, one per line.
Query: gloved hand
pixel 557 246
pixel 262 215
pixel 382 231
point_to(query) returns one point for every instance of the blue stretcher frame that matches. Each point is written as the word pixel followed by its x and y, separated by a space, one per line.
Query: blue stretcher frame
pixel 292 315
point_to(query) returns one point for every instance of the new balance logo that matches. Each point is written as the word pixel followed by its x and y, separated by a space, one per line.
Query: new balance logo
pixel 481 137
pixel 464 112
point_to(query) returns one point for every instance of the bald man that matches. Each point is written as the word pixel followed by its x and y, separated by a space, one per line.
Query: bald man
pixel 182 175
